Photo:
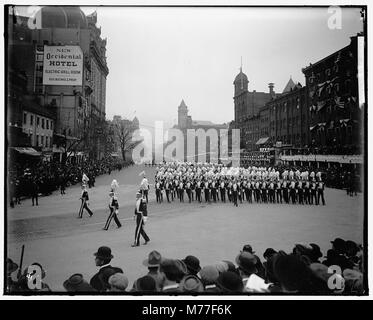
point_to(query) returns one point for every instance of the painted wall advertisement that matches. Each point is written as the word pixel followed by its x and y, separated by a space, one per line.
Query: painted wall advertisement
pixel 63 66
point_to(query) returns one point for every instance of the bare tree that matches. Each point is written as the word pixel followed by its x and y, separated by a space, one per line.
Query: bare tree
pixel 123 130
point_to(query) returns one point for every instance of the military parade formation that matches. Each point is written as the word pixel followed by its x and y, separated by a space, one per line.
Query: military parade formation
pixel 209 182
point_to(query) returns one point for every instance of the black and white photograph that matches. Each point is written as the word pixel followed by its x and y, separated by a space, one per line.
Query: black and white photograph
pixel 185 151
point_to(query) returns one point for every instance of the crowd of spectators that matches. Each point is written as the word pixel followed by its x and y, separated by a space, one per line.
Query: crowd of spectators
pixel 44 177
pixel 305 270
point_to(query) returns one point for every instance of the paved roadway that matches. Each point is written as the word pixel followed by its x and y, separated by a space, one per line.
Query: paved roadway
pixel 65 245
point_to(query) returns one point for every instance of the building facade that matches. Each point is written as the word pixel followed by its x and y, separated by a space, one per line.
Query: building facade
pixel 247 106
pixel 335 115
pixel 79 109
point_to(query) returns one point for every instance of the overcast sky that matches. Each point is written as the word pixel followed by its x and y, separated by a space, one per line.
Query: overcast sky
pixel 159 56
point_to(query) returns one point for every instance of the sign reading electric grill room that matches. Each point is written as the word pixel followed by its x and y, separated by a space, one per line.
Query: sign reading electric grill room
pixel 63 66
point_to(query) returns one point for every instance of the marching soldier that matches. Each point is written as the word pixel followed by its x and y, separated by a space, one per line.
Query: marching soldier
pixel 141 215
pixel 313 193
pixel 307 194
pixel 285 191
pixel 114 207
pixel 278 192
pixel 181 191
pixel 264 191
pixel 188 189
pixel 271 192
pixel 198 191
pixel 144 187
pixel 320 192
pixel 257 192
pixel 293 193
pixel 235 193
pixel 213 190
pixel 158 191
pixel 222 190
pixel 84 197
pixel 300 192
pixel 168 190
pixel 206 190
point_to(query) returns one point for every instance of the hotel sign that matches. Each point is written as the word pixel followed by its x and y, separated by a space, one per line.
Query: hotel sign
pixel 62 65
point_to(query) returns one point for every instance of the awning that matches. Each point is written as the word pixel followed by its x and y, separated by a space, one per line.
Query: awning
pixel 114 154
pixel 27 150
pixel 262 140
pixel 313 127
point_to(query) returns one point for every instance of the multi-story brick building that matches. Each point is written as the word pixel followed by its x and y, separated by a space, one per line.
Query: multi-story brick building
pixel 247 106
pixel 288 117
pixel 333 102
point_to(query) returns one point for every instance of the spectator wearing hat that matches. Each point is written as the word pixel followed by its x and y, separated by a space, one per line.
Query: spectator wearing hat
pixel 259 266
pixel 191 284
pixel 145 284
pixel 153 262
pixel 293 274
pixel 118 282
pixel 103 257
pixel 11 267
pixel 209 276
pixel 171 270
pixel 23 282
pixel 315 253
pixel 339 245
pixel 76 283
pixel 353 282
pixel 321 281
pixel 268 253
pixel 229 282
pixel 247 267
pixel 352 250
pixel 192 264
pixel 333 258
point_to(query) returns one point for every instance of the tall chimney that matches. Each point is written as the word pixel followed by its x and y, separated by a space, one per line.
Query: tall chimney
pixel 271 86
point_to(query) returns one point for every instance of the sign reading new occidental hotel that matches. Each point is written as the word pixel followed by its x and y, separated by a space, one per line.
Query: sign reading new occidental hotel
pixel 63 65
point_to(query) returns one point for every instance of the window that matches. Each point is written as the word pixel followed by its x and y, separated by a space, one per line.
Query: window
pixel 37 121
pixel 25 118
pixel 42 141
pixel 37 140
pixel 31 120
pixel 51 125
pixel 42 123
pixel 327 72
pixel 47 124
pixel 32 139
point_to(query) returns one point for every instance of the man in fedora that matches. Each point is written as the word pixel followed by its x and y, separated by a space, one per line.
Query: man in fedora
pixel 192 264
pixel 247 267
pixel 76 283
pixel 171 270
pixel 103 257
pixel 141 215
pixel 153 262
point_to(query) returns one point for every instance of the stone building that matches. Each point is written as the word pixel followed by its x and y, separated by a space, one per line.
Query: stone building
pixel 79 109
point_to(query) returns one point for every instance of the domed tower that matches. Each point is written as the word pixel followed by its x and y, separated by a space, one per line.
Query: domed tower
pixel 240 83
pixel 182 115
pixel 63 17
pixel 240 95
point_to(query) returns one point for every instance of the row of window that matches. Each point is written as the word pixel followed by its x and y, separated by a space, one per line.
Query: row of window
pixel 41 141
pixel 40 122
